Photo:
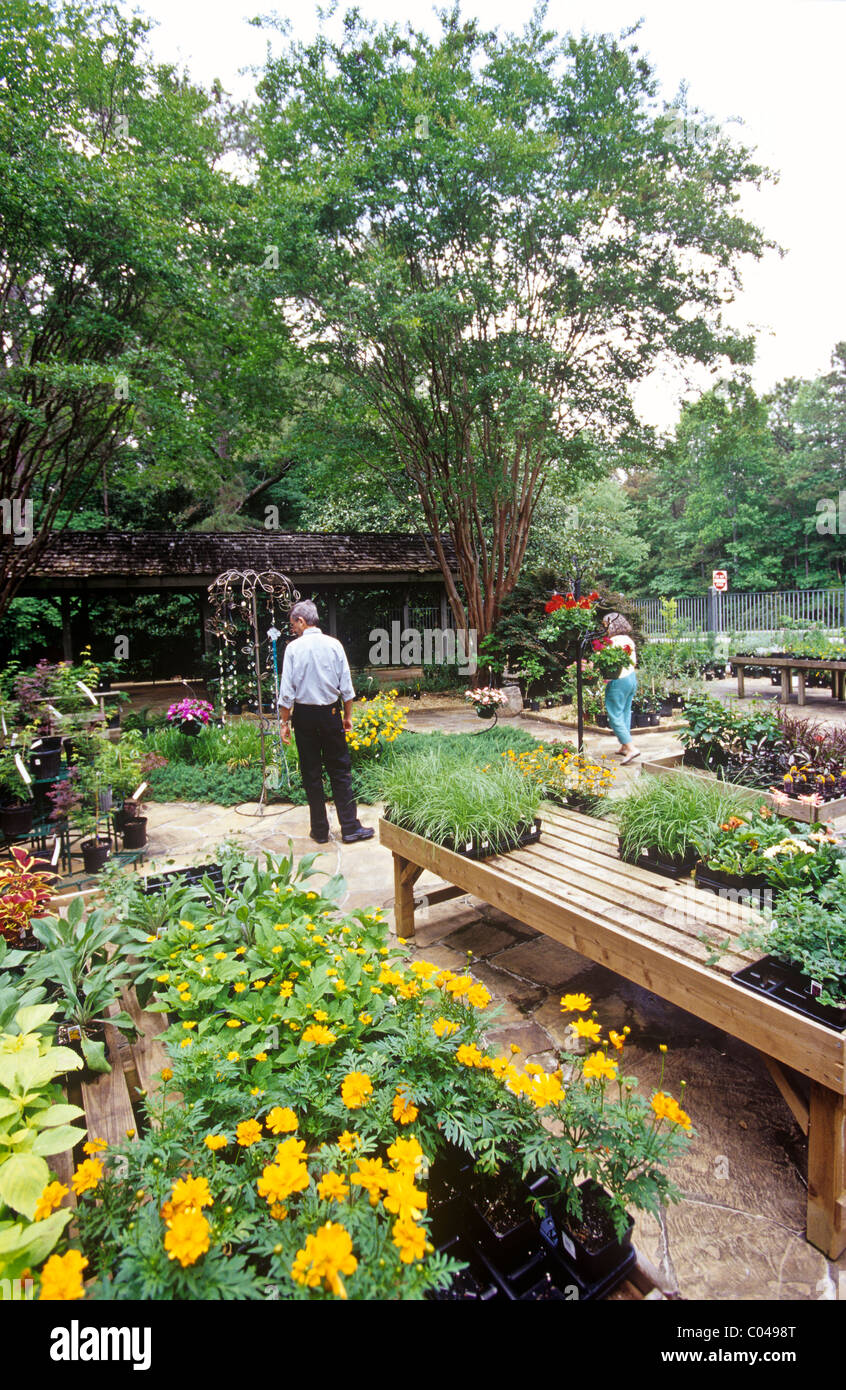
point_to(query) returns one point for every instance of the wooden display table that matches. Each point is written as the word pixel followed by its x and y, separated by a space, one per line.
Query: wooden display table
pixel 788 664
pixel 573 887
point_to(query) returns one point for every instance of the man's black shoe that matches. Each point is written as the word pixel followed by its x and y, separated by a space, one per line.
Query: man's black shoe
pixel 361 834
pixel 320 839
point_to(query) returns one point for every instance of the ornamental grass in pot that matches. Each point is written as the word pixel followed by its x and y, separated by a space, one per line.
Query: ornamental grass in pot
pixel 459 801
pixel 667 823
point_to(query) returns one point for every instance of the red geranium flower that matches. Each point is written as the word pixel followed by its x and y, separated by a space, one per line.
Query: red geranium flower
pixel 553 604
pixel 593 596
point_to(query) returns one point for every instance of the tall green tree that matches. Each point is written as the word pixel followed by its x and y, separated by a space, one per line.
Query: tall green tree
pixel 113 218
pixel 491 239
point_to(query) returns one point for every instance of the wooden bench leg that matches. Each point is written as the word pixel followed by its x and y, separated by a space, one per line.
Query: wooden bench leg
pixel 786 684
pixel 406 875
pixel 827 1171
pixel 800 681
pixel 741 683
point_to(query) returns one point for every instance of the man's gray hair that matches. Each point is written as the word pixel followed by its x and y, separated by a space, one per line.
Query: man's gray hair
pixel 307 610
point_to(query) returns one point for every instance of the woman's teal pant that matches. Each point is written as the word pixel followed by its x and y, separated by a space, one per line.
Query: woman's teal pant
pixel 618 704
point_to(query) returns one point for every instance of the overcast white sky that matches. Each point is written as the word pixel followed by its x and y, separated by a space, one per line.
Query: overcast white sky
pixel 776 64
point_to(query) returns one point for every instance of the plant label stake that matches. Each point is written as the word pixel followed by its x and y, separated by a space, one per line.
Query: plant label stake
pixel 56 847
pixel 22 770
pixel 84 688
pixel 135 795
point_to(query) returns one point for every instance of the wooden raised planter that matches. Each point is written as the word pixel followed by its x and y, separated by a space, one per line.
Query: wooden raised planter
pixel 796 810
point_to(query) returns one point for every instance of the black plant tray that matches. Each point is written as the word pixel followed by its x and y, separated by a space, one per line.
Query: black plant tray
pixel 529 835
pixel 658 863
pixel 757 893
pixel 185 877
pixel 788 986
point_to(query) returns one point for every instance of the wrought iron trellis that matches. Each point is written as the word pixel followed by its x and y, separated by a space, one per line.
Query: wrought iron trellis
pixel 234 602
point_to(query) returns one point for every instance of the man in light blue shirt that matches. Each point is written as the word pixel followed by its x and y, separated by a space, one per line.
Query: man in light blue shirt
pixel 315 681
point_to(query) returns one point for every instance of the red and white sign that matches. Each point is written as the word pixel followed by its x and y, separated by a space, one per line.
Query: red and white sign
pixel 720 580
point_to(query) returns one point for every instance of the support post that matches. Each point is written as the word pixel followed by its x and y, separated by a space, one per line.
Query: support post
pixel 406 875
pixel 826 1226
pixel 67 639
pixel 332 616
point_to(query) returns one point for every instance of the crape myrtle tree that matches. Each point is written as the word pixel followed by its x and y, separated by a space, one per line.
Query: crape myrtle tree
pixel 492 239
pixel 114 229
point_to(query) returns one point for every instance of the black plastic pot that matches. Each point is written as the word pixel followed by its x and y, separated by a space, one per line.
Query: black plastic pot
pixel 94 854
pixel 44 763
pixel 135 833
pixel 69 1034
pixel 788 986
pixel 533 705
pixel 17 818
pixel 591 1244
pixel 47 743
pixel 474 849
pixel 234 706
pixel 190 727
pixel 487 713
pixel 114 720
pixel 602 721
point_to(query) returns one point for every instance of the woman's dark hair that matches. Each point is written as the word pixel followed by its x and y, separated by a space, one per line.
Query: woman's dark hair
pixel 616 625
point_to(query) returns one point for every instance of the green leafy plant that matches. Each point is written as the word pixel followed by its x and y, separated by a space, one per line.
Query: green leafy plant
pixel 35 1123
pixel 809 934
pixel 87 981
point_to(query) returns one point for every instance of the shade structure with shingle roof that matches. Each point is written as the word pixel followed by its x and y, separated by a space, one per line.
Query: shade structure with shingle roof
pixel 75 560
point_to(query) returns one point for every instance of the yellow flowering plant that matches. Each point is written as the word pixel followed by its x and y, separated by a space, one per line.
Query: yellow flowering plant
pixel 376 724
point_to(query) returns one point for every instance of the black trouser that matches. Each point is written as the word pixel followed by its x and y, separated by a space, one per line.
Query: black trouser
pixel 321 742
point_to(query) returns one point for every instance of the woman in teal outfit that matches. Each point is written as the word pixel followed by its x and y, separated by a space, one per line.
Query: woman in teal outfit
pixel 620 693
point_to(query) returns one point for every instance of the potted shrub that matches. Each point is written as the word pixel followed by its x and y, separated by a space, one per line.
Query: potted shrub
pixel 25 891
pixel 17 809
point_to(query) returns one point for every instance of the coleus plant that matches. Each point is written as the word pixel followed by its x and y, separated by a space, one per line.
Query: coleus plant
pixel 25 892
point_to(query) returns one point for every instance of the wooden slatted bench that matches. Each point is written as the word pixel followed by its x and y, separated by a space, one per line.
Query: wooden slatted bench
pixel 573 887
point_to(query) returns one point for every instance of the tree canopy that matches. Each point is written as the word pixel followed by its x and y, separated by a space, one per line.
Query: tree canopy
pixel 490 240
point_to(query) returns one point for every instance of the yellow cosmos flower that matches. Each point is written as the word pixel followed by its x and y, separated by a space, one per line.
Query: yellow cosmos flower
pixel 215 1141
pixel 61 1277
pixel 186 1042
pixel 402 1110
pixel 191 1192
pixel 405 1154
pixel 586 1028
pixel 575 1003
pixel 478 996
pixel 94 1146
pixel 356 1089
pixel 317 1033
pixel 233 1056
pixel 281 1120
pixel 325 1257
pixel 260 1056
pixel 668 1109
pixel 365 1018
pixel 286 989
pixel 248 1132
pixel 333 1187
pixel 597 1065
pixel 410 1240
pixel 87 1175
pixel 347 1141
pixel 469 1055
pixel 617 1040
pixel 187 1237
pixel 372 1175
pixel 51 1198
pixel 166 1074
pixel 443 1027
